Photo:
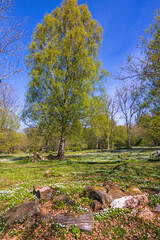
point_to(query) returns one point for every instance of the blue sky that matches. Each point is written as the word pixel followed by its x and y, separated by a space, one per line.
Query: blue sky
pixel 123 22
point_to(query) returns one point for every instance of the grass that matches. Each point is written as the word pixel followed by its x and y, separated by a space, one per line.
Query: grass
pixel 134 167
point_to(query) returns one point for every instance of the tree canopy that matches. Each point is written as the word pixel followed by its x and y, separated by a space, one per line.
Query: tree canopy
pixel 151 66
pixel 144 72
pixel 65 71
pixel 146 68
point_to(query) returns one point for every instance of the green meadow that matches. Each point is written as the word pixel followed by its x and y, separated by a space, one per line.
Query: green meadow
pixel 134 167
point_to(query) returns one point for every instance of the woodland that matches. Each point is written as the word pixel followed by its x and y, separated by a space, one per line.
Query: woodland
pixel 67 105
pixel 71 137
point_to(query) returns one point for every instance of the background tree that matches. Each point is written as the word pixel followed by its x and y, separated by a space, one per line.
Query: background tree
pixel 145 72
pixel 120 138
pixel 127 100
pixel 8 108
pixel 35 141
pixel 112 110
pixel 9 120
pixel 99 120
pixel 22 142
pixel 150 127
pixel 76 139
pixel 11 33
pixel 90 138
pixel 146 68
pixel 64 68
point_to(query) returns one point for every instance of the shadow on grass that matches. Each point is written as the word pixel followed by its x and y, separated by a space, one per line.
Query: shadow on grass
pixel 92 162
pixel 5 156
pixel 74 156
pixel 112 151
pixel 133 149
pixel 153 160
pixel 14 158
pixel 20 160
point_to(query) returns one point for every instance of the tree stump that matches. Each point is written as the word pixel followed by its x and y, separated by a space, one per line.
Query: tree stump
pixel 83 221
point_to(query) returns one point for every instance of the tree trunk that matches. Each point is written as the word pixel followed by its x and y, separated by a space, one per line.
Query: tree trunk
pixel 108 142
pixel 112 142
pixel 129 138
pixel 47 146
pixel 61 148
pixel 128 143
pixel 99 144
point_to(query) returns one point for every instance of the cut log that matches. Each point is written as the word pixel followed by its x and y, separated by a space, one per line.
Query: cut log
pixel 96 205
pixel 102 197
pixel 113 190
pixel 156 154
pixel 43 192
pixel 83 221
pixel 99 194
pixel 64 198
pixel 22 211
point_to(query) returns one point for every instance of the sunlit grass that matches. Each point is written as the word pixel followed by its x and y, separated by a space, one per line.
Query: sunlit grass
pixel 78 169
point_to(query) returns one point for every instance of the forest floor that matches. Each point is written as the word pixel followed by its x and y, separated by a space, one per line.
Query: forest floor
pixel 133 167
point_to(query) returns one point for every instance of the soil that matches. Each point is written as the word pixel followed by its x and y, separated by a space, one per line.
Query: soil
pixel 115 227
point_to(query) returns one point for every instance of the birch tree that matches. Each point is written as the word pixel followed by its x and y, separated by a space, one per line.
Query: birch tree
pixel 64 68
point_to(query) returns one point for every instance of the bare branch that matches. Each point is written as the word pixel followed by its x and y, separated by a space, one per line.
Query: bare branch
pixel 127 99
pixel 11 47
